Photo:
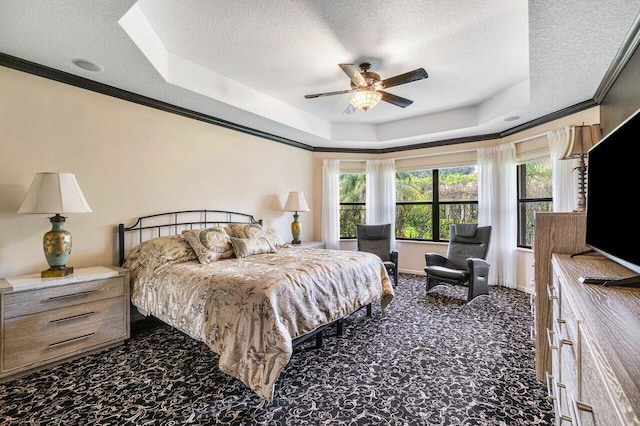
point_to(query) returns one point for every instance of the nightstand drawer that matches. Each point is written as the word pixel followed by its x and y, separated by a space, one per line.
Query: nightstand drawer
pixel 40 300
pixel 40 337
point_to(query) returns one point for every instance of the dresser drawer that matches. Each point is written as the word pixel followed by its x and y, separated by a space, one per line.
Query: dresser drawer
pixel 569 371
pixel 602 393
pixel 44 336
pixel 40 300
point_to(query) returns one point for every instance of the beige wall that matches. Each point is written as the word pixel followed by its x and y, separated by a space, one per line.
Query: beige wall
pixel 130 161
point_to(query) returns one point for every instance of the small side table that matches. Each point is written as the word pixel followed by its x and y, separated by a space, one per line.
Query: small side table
pixel 310 244
pixel 44 321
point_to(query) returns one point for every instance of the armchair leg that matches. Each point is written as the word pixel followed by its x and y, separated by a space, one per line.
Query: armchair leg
pixel 430 283
pixel 477 289
pixel 478 279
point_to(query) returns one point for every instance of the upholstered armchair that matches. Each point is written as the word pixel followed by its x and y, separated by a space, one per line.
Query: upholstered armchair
pixel 465 262
pixel 376 239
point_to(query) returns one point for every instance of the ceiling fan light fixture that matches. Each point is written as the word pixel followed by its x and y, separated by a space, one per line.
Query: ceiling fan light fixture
pixel 365 99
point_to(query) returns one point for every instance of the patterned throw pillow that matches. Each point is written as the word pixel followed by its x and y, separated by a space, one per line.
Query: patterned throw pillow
pixel 244 247
pixel 210 244
pixel 159 252
pixel 235 230
pixel 255 230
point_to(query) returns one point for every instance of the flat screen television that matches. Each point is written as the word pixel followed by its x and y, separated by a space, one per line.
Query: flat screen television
pixel 613 176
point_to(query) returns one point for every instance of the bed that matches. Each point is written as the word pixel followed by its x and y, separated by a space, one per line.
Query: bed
pixel 247 294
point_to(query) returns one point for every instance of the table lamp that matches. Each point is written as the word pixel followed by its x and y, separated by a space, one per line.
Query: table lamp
pixel 296 203
pixel 580 140
pixel 55 193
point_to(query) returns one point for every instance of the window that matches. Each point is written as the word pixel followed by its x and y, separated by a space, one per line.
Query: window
pixel 440 197
pixel 534 195
pixel 352 202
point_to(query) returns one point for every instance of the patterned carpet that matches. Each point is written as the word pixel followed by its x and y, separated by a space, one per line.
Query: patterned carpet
pixel 427 360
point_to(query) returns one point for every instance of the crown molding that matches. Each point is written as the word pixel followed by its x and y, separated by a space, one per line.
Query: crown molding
pixel 550 117
pixel 628 47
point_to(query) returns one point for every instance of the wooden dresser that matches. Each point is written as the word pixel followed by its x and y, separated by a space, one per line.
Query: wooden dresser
pixel 48 320
pixel 594 339
pixel 553 233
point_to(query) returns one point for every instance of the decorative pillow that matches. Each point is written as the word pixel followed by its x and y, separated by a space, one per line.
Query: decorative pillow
pixel 276 240
pixel 244 247
pixel 253 231
pixel 237 229
pixel 159 252
pixel 209 244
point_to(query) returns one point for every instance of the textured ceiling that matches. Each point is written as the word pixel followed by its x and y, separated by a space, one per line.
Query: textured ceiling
pixel 251 62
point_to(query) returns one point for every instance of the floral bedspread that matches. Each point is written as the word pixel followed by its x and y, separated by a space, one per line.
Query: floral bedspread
pixel 248 310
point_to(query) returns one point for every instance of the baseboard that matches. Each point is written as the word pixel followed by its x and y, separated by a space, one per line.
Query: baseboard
pixel 411 271
pixel 526 289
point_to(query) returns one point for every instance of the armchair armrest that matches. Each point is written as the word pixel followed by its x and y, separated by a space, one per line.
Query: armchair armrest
pixel 478 277
pixel 394 256
pixel 476 262
pixel 435 259
pixel 478 268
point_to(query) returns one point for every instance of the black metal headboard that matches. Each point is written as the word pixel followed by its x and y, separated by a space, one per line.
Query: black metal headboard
pixel 172 223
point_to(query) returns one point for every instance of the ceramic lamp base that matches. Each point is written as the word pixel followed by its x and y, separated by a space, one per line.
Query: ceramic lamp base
pixel 296 227
pixel 57 248
pixel 57 272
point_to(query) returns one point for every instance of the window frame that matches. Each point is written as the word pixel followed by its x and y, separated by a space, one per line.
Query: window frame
pixel 349 203
pixel 435 204
pixel 521 175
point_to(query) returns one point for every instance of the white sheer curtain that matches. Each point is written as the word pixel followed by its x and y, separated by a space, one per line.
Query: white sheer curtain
pixel 331 203
pixel 381 191
pixel 563 175
pixel 497 195
pixel 381 194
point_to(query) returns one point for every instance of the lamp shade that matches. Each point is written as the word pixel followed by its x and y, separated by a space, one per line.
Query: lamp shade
pixel 581 139
pixel 54 193
pixel 365 99
pixel 296 203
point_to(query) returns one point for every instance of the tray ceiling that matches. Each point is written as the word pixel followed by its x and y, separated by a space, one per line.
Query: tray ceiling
pixel 492 65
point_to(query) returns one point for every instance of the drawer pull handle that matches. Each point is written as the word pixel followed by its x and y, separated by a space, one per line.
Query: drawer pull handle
pixel 70 296
pixel 552 344
pixel 58 321
pixel 532 303
pixel 550 293
pixel 532 333
pixel 556 331
pixel 576 407
pixel 550 394
pixel 73 340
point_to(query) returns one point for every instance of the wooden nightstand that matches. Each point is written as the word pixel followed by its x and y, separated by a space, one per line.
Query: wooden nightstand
pixel 48 320
pixel 309 244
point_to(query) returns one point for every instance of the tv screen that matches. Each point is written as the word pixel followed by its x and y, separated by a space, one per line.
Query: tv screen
pixel 613 175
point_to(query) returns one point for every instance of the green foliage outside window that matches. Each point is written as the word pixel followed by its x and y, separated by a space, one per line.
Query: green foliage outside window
pixel 353 187
pixel 456 200
pixel 534 195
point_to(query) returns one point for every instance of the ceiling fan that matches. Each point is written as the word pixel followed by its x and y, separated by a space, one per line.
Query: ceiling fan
pixel 367 88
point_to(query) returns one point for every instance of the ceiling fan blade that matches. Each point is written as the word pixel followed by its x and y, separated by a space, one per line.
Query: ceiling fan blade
pixel 354 74
pixel 350 110
pixel 407 77
pixel 329 93
pixel 396 100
